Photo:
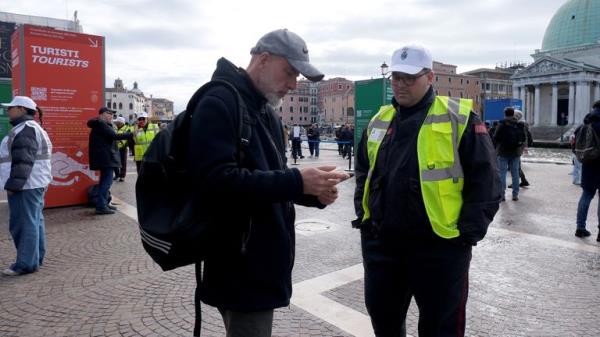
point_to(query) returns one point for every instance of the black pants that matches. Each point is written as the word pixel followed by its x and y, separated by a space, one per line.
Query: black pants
pixel 123 156
pixel 296 148
pixel 435 272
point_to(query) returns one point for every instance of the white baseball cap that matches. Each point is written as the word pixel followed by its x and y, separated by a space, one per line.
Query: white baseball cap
pixel 23 101
pixel 142 114
pixel 411 59
pixel 119 120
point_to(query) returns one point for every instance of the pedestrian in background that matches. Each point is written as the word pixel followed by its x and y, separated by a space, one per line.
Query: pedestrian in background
pixel 576 173
pixel 426 191
pixel 314 138
pixel 25 172
pixel 297 142
pixel 510 139
pixel 590 180
pixel 122 145
pixel 104 156
pixel 143 134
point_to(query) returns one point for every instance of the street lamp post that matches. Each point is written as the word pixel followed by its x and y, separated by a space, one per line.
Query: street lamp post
pixel 384 71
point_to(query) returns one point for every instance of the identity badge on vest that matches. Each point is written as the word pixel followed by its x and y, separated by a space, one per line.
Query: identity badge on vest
pixel 377 135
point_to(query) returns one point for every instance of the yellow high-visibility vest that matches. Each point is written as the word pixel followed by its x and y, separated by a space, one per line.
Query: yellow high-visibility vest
pixel 142 139
pixel 122 143
pixel 440 172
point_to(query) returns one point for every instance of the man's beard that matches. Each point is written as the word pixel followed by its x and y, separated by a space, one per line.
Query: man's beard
pixel 274 100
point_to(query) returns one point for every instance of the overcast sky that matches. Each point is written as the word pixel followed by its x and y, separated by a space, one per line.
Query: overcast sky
pixel 171 47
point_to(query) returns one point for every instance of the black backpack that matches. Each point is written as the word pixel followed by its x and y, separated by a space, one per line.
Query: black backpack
pixel 587 144
pixel 514 135
pixel 171 233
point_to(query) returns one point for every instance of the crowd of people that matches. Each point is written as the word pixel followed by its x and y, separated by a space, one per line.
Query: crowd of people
pixel 430 177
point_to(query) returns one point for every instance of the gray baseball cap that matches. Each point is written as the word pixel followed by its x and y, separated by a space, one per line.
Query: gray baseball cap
pixel 289 45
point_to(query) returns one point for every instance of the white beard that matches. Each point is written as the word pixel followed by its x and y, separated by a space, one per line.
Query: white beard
pixel 274 100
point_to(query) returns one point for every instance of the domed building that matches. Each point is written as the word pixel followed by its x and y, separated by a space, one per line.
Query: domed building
pixel 562 83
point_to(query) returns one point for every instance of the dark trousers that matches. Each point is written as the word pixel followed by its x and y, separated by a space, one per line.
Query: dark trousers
pixel 347 150
pixel 435 272
pixel 106 178
pixel 247 323
pixel 296 148
pixel 340 148
pixel 123 156
pixel 313 147
pixel 138 165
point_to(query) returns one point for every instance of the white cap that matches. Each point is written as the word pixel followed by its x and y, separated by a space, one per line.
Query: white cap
pixel 518 115
pixel 23 101
pixel 142 114
pixel 119 120
pixel 411 59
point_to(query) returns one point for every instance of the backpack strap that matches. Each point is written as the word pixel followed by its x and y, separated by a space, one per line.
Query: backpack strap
pixel 245 122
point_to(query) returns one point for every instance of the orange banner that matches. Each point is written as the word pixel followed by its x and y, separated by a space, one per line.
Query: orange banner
pixel 63 72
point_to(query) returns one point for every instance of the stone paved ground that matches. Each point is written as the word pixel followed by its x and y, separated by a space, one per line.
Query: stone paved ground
pixel 529 277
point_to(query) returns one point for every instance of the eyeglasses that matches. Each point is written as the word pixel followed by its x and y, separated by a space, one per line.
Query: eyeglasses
pixel 142 119
pixel 408 80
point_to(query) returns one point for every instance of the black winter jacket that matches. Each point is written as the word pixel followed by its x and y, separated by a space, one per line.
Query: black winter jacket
pixel 103 148
pixel 590 173
pixel 501 134
pixel 396 202
pixel 249 268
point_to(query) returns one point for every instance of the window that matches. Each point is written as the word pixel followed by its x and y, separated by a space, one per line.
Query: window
pixel 292 118
pixel 120 106
pixel 449 94
pixel 461 81
pixel 115 95
pixel 291 98
pixel 501 87
pixel 436 92
pixel 437 78
pixel 467 81
pixel 292 109
pixel 461 95
pixel 114 105
pixel 487 86
pixel 280 109
pixel 130 106
pixel 340 87
pixel 449 79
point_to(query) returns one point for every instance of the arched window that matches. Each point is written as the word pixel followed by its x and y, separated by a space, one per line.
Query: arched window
pixel 130 106
pixel 114 105
pixel 120 106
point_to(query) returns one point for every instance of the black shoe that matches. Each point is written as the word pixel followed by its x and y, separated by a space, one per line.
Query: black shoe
pixel 114 208
pixel 301 157
pixel 515 198
pixel 105 211
pixel 509 186
pixel 121 179
pixel 524 184
pixel 582 233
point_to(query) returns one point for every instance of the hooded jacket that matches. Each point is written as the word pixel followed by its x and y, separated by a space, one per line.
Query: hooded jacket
pixel 250 206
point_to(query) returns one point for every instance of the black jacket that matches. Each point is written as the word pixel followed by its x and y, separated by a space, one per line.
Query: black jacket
pixel 103 148
pixel 249 268
pixel 501 133
pixel 396 203
pixel 590 173
pixel 313 134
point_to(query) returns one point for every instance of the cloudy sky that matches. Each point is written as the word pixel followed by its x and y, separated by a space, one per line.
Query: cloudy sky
pixel 170 47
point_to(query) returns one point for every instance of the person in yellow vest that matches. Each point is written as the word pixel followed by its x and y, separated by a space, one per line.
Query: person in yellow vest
pixel 142 137
pixel 121 127
pixel 427 188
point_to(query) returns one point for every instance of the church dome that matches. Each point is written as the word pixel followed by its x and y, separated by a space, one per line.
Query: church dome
pixel 576 23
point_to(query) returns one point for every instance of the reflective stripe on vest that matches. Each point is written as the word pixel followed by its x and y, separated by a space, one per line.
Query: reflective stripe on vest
pixel 143 140
pixel 441 174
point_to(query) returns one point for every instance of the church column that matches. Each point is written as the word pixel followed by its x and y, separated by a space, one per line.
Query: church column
pixel 554 98
pixel 571 102
pixel 536 106
pixel 515 91
pixel 582 104
pixel 597 92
